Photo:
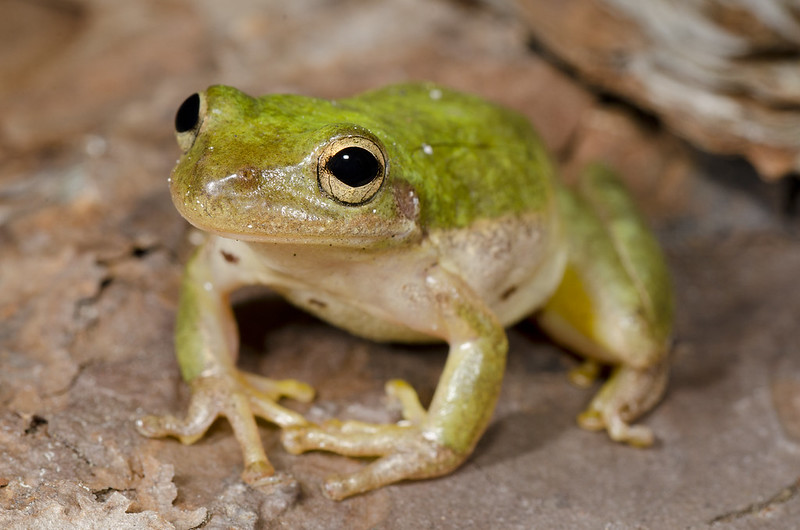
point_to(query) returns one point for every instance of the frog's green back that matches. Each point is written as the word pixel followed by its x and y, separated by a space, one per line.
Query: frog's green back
pixel 465 157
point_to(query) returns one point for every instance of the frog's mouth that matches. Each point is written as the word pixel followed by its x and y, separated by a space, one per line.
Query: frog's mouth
pixel 278 206
pixel 349 234
pixel 317 224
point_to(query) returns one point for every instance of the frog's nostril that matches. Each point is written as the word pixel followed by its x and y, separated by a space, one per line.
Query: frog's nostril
pixel 188 114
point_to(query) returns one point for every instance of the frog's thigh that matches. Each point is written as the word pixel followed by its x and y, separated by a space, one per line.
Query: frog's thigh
pixel 640 372
pixel 613 305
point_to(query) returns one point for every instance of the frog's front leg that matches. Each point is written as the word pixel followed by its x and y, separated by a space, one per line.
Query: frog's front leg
pixel 614 304
pixel 206 341
pixel 433 442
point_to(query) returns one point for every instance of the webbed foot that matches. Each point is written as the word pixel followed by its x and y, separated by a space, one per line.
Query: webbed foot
pixel 240 398
pixel 627 394
pixel 406 450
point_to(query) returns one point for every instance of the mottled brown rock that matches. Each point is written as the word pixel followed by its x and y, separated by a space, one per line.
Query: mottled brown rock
pixel 91 252
pixel 724 75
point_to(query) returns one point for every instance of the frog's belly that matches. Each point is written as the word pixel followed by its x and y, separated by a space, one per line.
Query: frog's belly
pixel 510 304
pixel 513 274
pixel 358 321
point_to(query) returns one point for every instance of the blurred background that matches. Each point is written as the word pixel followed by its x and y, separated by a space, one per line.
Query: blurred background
pixel 695 102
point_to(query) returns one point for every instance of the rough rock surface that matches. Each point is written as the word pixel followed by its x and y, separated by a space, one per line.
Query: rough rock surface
pixel 724 74
pixel 91 251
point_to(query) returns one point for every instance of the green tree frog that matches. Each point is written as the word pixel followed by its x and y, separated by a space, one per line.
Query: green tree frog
pixel 408 213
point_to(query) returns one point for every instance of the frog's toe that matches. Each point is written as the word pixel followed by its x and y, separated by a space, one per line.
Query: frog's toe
pixel 591 420
pixel 394 467
pixel 349 438
pixel 239 398
pixel 201 414
pixel 262 476
pixel 293 439
pixel 404 452
pixel 410 406
pixel 275 389
pixel 265 407
pixel 585 374
pixel 338 487
pixel 618 429
pixel 260 473
pixel 626 396
pixel 634 435
pixel 161 426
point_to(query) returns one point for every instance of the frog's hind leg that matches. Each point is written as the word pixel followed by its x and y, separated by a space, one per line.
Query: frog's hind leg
pixel 614 304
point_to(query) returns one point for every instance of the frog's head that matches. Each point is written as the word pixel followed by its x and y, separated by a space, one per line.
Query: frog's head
pixel 286 168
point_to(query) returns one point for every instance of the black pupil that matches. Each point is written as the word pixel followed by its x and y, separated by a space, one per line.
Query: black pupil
pixel 354 166
pixel 188 114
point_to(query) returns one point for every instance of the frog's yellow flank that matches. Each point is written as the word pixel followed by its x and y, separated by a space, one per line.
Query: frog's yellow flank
pixel 409 213
pixel 573 304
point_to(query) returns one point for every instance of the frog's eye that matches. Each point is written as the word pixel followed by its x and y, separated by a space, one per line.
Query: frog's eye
pixel 351 169
pixel 188 120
